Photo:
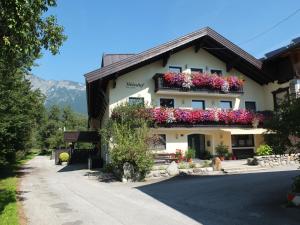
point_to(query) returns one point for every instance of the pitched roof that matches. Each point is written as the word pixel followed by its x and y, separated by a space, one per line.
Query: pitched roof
pixel 295 43
pixel 108 59
pixel 134 61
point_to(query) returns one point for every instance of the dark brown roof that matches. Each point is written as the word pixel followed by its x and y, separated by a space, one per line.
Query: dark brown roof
pixel 81 136
pixel 138 59
pixel 295 43
pixel 108 59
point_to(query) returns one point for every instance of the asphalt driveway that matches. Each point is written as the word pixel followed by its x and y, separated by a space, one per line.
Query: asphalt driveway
pixel 53 195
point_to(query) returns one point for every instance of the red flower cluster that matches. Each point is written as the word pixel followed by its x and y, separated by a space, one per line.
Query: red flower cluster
pixel 203 80
pixel 198 116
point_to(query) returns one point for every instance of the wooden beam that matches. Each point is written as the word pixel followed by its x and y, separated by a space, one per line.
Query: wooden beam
pixel 115 77
pixel 166 57
pixel 294 57
pixel 232 63
pixel 199 45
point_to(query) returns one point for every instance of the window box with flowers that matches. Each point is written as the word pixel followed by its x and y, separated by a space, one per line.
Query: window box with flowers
pixel 198 82
pixel 170 117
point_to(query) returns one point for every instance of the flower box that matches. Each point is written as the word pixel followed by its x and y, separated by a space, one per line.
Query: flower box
pixel 187 117
pixel 201 81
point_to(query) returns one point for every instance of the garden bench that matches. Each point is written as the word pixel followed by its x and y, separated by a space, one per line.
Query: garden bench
pixel 164 157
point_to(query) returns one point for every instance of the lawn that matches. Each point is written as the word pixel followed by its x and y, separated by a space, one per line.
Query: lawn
pixel 8 192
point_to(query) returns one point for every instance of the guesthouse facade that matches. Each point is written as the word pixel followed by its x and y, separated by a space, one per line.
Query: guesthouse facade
pixel 201 89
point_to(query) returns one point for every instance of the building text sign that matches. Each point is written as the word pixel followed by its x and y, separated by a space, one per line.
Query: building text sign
pixel 130 84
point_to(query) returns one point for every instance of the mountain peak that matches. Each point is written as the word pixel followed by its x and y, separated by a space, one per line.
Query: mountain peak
pixel 61 93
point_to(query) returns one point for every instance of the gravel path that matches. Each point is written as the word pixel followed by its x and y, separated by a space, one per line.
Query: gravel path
pixel 53 195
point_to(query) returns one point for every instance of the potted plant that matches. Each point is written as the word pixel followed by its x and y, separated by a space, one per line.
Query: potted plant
pixel 189 155
pixel 293 196
pixel 222 151
pixel 233 157
pixel 228 156
pixel 178 155
pixel 64 158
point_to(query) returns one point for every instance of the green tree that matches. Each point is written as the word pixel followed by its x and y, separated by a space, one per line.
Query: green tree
pixel 24 32
pixel 55 122
pixel 285 125
pixel 20 111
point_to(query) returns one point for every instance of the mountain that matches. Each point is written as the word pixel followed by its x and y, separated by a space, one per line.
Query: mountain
pixel 61 93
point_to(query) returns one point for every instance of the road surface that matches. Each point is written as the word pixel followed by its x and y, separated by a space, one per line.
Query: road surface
pixel 54 195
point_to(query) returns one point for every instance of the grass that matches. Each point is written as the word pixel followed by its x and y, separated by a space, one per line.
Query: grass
pixel 8 191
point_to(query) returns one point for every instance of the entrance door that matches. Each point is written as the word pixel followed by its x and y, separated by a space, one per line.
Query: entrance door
pixel 197 142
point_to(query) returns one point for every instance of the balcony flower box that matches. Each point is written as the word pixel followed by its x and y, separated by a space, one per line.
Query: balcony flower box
pixel 186 117
pixel 199 82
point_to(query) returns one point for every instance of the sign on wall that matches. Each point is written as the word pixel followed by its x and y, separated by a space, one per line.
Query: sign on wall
pixel 130 84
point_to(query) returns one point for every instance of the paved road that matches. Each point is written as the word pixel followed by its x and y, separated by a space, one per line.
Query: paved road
pixel 56 196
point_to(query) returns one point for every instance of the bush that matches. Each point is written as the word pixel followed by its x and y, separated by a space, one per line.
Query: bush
pixel 222 150
pixel 128 139
pixel 182 166
pixel 192 165
pixel 264 150
pixel 207 155
pixel 64 157
pixel 190 154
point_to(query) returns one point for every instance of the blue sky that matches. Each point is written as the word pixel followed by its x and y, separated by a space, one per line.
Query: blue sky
pixel 94 27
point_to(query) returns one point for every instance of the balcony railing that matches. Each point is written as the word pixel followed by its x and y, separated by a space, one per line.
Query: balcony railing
pixel 162 86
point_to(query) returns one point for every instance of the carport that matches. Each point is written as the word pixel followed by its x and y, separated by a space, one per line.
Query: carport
pixel 92 156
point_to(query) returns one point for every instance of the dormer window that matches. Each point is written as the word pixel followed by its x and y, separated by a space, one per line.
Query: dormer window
pixel 196 70
pixel 175 69
pixel 218 72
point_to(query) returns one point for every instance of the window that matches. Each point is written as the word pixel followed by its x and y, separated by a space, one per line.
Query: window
pixel 136 101
pixel 158 142
pixel 251 106
pixel 225 104
pixel 175 69
pixel 198 104
pixel 279 96
pixel 218 72
pixel 199 70
pixel 167 102
pixel 242 140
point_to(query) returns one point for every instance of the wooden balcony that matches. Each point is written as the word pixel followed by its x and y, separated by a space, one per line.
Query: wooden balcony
pixel 162 88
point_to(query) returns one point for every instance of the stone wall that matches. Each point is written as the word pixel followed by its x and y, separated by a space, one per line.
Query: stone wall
pixel 275 160
pixel 175 169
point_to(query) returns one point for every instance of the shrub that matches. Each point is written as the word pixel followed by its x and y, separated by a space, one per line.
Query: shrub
pixel 222 150
pixel 182 166
pixel 64 157
pixel 264 150
pixel 128 139
pixel 207 155
pixel 192 165
pixel 190 154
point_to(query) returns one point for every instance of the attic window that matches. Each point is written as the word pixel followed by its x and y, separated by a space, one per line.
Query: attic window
pixel 199 70
pixel 218 72
pixel 175 69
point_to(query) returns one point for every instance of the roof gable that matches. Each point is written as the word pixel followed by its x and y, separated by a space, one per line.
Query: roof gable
pixel 205 37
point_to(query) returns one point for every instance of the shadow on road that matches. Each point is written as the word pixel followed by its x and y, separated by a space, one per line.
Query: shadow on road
pixel 255 198
pixel 73 167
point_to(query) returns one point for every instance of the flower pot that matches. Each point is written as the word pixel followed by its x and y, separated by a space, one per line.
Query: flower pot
pixel 64 163
pixel 190 160
pixel 293 198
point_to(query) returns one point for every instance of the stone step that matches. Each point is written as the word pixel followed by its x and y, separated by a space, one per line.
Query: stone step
pixel 243 170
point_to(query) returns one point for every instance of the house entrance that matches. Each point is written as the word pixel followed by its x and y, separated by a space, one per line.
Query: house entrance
pixel 197 142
